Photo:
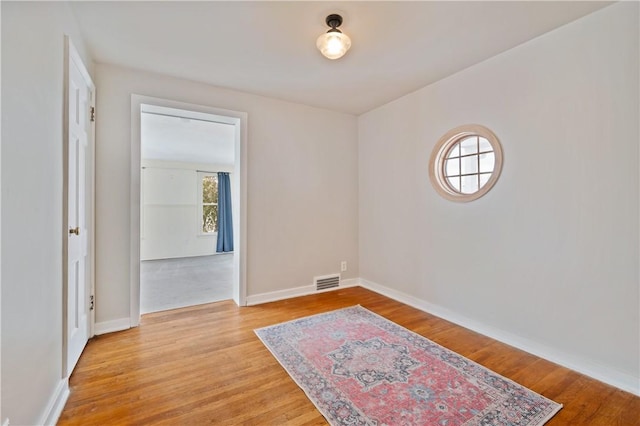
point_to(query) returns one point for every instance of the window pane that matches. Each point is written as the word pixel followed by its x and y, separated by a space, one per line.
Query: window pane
pixel 469 184
pixel 484 178
pixel 485 145
pixel 452 167
pixel 487 162
pixel 455 151
pixel 469 145
pixel 210 189
pixel 469 164
pixel 454 182
pixel 210 218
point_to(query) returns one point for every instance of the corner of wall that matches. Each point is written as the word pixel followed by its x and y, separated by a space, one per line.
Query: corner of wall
pixel 584 366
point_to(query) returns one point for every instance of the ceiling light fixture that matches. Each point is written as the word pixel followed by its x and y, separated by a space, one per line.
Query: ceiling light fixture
pixel 334 43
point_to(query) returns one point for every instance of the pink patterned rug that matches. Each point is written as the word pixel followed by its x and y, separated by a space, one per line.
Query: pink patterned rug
pixel 359 368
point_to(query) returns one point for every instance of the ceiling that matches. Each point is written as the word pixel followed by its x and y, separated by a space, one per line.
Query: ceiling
pixel 268 48
pixel 185 136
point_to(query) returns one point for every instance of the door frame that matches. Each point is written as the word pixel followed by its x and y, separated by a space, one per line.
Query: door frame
pixel 239 120
pixel 71 54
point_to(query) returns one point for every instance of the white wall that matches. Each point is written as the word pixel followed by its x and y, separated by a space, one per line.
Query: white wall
pixel 302 185
pixel 550 255
pixel 32 109
pixel 171 221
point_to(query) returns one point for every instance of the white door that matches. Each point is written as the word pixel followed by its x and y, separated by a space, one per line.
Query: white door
pixel 79 194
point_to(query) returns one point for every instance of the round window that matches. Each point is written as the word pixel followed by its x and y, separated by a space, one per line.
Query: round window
pixel 466 163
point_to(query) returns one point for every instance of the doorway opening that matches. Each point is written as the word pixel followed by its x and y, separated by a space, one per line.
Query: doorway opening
pixel 188 188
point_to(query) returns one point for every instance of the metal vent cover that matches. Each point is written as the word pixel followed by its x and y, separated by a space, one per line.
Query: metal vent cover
pixel 326 281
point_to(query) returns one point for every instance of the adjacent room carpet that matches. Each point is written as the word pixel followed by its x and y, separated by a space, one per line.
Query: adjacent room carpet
pixel 186 281
pixel 359 368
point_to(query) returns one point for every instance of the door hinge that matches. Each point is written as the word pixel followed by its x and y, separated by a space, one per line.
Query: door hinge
pixel 92 112
pixel 91 302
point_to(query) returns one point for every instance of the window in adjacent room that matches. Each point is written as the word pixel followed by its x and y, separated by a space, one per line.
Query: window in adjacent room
pixel 208 202
pixel 466 163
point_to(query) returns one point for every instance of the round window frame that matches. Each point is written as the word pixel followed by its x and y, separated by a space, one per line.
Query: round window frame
pixel 441 151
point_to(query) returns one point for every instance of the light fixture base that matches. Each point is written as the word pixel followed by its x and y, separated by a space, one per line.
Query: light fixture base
pixel 334 20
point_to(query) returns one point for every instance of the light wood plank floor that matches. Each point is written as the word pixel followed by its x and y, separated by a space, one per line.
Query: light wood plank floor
pixel 204 365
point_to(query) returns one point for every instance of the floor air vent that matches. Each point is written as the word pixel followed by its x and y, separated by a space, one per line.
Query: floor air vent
pixel 327 281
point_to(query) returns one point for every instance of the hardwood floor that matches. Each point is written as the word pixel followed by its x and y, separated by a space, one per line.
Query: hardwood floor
pixel 204 365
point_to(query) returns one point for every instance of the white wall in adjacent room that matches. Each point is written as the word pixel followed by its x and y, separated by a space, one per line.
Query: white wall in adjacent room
pixel 550 254
pixel 302 188
pixel 32 116
pixel 171 224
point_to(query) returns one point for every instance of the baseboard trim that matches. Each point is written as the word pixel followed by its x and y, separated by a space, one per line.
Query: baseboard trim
pixel 599 372
pixel 306 290
pixel 56 404
pixel 111 326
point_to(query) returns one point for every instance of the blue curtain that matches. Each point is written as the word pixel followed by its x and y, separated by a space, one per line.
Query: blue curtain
pixel 225 222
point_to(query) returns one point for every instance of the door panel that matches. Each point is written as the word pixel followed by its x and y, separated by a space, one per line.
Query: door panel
pixel 79 191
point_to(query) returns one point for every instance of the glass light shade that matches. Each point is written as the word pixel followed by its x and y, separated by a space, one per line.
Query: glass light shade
pixel 333 44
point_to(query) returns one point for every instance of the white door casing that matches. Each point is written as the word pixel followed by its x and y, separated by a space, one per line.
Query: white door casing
pixel 78 203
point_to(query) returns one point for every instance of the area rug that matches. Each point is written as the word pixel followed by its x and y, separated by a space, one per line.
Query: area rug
pixel 359 368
